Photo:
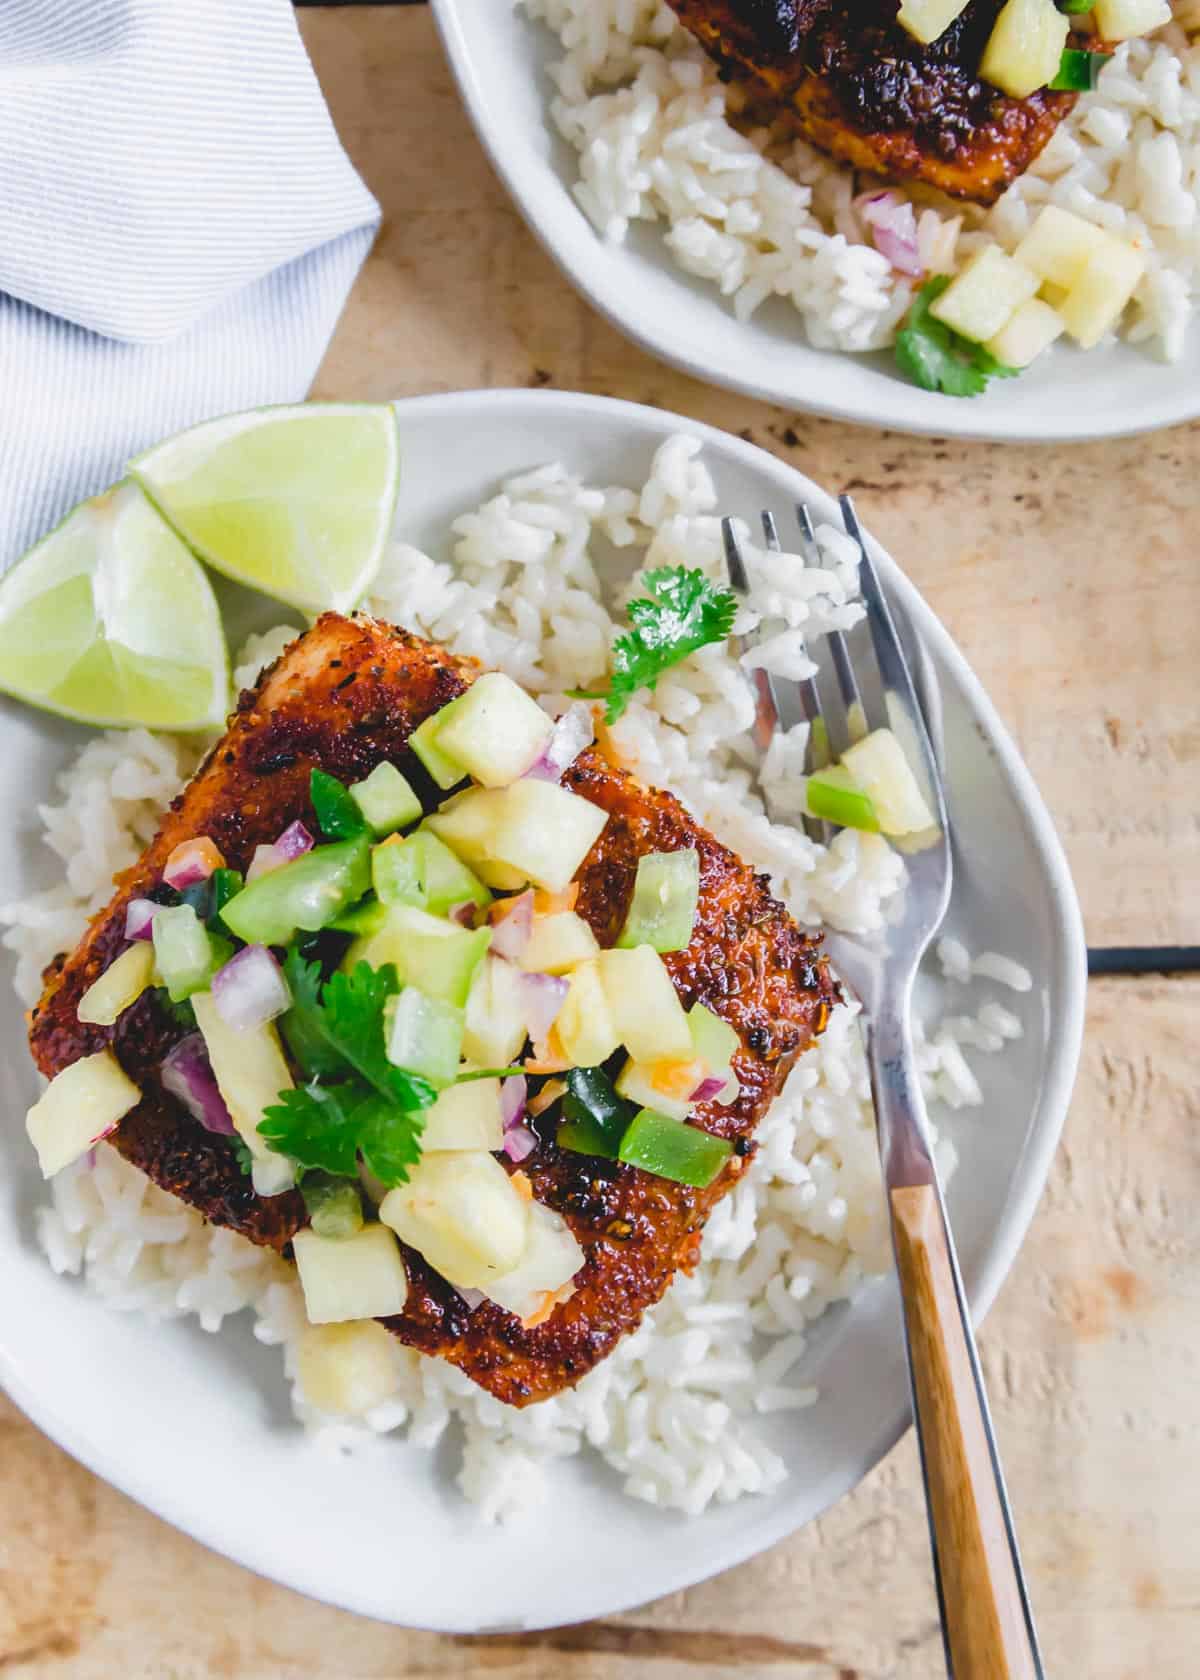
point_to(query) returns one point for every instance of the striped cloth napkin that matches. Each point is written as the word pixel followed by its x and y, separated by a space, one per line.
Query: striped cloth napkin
pixel 179 229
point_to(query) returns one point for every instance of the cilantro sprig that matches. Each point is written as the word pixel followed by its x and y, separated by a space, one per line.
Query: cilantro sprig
pixel 683 612
pixel 354 1102
pixel 937 358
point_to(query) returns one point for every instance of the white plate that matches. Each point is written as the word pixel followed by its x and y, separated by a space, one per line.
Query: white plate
pixel 499 58
pixel 196 1426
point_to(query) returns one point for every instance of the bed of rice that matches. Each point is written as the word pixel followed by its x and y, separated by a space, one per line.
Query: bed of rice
pixel 642 104
pixel 671 1411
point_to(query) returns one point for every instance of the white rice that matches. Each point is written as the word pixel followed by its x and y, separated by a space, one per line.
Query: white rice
pixel 671 1410
pixel 643 105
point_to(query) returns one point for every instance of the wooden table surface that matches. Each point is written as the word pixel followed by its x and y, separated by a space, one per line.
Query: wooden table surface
pixel 1070 577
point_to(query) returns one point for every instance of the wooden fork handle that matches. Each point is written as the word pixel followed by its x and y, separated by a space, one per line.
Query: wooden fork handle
pixel 987 1633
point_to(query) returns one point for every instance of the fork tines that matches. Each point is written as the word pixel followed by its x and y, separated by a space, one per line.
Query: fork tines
pixel 896 705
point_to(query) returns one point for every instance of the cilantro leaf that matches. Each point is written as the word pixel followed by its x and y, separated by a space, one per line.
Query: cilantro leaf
pixel 242 1155
pixel 937 358
pixel 355 1102
pixel 353 1007
pixel 337 1028
pixel 684 612
pixel 338 813
pixel 327 1127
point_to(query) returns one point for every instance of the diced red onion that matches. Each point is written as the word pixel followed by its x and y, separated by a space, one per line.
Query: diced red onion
pixel 91 1158
pixel 901 250
pixel 139 918
pixel 472 1298
pixel 187 1073
pixel 709 1087
pixel 542 996
pixel 464 913
pixel 519 1142
pixel 575 729
pixel 265 859
pixel 191 862
pixel 250 990
pixel 513 1092
pixel 893 229
pixel 510 933
pixel 294 842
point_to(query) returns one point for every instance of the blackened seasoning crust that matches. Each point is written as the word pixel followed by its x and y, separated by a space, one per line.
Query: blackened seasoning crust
pixel 747 961
pixel 857 84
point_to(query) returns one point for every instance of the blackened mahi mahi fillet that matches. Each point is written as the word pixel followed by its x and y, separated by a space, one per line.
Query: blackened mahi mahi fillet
pixel 855 83
pixel 344 697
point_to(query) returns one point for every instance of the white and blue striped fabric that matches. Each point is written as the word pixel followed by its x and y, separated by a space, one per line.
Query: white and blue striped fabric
pixel 179 229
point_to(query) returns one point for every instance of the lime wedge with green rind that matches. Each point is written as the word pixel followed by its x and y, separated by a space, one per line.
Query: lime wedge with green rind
pixel 296 501
pixel 110 620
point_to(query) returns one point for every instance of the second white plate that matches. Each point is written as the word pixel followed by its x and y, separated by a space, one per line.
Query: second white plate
pixel 499 58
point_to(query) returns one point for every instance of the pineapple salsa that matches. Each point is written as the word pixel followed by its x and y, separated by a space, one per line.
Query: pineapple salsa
pixel 380 1015
pixel 1068 276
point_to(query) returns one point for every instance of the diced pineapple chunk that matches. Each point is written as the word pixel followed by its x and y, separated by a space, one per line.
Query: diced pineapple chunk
pixel 461 1212
pixel 585 1027
pixel 121 984
pixel 546 832
pixel 81 1105
pixel 1120 20
pixel 495 1030
pixel 468 822
pixel 1025 47
pixel 1058 246
pixel 346 1369
pixel 346 1278
pixel 925 20
pixel 880 767
pixel 495 730
pixel 636 1083
pixel 1093 305
pixel 645 1007
pixel 250 1071
pixel 1031 330
pixel 465 1117
pixel 985 295
pixel 551 1259
pixel 558 944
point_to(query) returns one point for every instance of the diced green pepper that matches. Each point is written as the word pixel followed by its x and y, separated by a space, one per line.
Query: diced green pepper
pixel 338 814
pixel 425 1037
pixel 423 741
pixel 185 953
pixel 1078 72
pixel 367 917
pixel 386 800
pixel 309 893
pixel 226 884
pixel 832 796
pixel 673 1149
pixel 662 912
pixel 424 872
pixel 334 1205
pixel 437 956
pixel 1075 7
pixel 594 1117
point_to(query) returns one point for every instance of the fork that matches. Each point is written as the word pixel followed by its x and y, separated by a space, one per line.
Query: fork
pixel 987 1621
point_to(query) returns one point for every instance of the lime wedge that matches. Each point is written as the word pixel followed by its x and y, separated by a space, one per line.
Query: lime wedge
pixel 297 502
pixel 110 620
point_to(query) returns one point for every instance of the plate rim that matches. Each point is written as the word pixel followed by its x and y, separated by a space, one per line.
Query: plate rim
pixel 542 218
pixel 1067 980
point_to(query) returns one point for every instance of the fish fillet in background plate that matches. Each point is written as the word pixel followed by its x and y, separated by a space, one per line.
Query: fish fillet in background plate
pixel 859 86
pixel 344 697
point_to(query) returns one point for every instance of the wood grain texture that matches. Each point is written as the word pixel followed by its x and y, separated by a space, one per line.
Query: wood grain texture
pixel 981 1595
pixel 1090 1355
pixel 1069 576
